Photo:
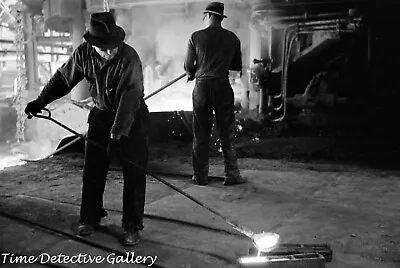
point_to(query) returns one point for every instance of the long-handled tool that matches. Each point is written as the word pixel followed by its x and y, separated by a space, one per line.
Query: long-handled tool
pixel 80 136
pixel 165 86
pixel 236 226
pixel 258 239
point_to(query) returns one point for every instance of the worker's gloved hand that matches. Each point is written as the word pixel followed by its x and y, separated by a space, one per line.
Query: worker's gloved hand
pixel 114 148
pixel 33 108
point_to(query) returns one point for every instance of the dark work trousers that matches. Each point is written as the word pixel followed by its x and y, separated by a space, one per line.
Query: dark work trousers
pixel 96 166
pixel 213 94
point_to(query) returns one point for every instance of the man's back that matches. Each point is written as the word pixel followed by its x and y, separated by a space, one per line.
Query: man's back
pixel 215 51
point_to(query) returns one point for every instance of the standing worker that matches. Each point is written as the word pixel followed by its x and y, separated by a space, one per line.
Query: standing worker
pixel 119 121
pixel 211 53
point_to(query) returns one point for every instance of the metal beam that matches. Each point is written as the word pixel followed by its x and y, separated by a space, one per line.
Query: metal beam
pixel 6 51
pixel 54 39
pixel 5 41
pixel 304 17
pixel 7 10
pixel 31 64
pixel 91 6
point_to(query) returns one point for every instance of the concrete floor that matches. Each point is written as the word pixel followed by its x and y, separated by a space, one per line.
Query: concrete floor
pixel 355 210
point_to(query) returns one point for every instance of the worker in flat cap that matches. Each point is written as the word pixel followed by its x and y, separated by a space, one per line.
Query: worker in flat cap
pixel 211 53
pixel 119 121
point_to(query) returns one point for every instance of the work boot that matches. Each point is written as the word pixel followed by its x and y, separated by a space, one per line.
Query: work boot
pixel 229 180
pixel 130 238
pixel 200 181
pixel 85 229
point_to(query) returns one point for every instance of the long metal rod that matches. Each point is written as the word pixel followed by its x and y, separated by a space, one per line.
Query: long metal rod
pixel 165 86
pixel 80 136
pixel 235 225
pixel 150 216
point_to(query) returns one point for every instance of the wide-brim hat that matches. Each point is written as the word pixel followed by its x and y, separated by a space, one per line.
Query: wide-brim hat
pixel 216 8
pixel 103 31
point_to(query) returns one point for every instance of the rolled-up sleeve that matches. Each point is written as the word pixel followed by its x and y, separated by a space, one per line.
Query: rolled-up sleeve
pixel 131 93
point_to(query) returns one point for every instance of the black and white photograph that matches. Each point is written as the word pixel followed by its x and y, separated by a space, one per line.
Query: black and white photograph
pixel 199 134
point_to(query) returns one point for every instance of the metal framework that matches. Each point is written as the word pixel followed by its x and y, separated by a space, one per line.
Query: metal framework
pixel 291 33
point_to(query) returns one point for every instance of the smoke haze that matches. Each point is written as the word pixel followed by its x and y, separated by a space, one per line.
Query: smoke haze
pixel 160 34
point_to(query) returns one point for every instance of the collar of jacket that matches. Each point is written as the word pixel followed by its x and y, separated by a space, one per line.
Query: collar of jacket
pixel 116 57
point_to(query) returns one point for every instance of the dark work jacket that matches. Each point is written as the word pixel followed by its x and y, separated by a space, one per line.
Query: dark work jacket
pixel 212 52
pixel 116 85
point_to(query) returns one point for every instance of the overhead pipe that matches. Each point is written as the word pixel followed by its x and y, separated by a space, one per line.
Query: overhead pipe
pixel 324 24
pixel 321 22
pixel 288 44
pixel 299 29
pixel 306 17
pixel 288 38
pixel 289 30
pixel 302 3
pixel 316 28
pixel 296 27
pixel 285 68
pixel 331 23
pixel 332 30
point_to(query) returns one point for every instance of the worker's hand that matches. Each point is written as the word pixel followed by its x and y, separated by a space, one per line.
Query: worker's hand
pixel 33 108
pixel 114 148
pixel 190 78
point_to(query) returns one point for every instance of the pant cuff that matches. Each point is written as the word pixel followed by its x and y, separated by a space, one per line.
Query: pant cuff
pixel 132 226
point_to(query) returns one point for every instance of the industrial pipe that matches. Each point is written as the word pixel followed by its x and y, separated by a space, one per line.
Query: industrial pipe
pixel 288 31
pixel 317 29
pixel 298 29
pixel 269 5
pixel 310 32
pixel 305 17
pixel 323 22
pixel 285 68
pixel 290 36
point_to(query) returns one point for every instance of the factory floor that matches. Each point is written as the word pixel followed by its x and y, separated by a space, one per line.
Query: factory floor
pixel 354 209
